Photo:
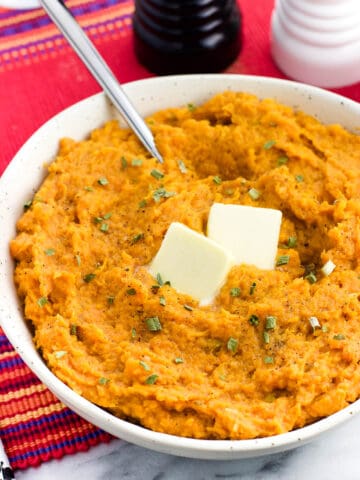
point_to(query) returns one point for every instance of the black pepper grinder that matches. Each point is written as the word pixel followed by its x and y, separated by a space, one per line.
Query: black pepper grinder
pixel 186 36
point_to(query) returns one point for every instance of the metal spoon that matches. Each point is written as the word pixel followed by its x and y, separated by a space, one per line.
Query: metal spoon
pixel 64 20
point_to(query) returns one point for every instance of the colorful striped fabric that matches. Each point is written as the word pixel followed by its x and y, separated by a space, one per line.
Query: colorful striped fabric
pixel 34 425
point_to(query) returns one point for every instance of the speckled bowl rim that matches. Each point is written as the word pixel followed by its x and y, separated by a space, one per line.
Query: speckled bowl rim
pixel 25 173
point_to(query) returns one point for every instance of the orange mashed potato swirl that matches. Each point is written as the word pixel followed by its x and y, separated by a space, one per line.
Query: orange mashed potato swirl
pixel 217 372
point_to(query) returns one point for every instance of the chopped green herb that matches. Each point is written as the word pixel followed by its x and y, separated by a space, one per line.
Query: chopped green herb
pixel 153 324
pixel 283 260
pixel 188 307
pixel 142 203
pixel 217 180
pixel 89 277
pixel 268 360
pixel 136 162
pixel 191 107
pixel 282 160
pixel 229 191
pixel 254 194
pixel 110 299
pixel 266 337
pixel 103 181
pixel 314 322
pixel 157 174
pixel 328 268
pixel 124 163
pixel 269 144
pixel 133 333
pixel 299 178
pixel 98 219
pixel 49 252
pixel 107 216
pixel 104 227
pixel 131 291
pixel 232 344
pixel 182 166
pixel 27 204
pixel 103 381
pixel 160 193
pixel 178 360
pixel 136 238
pixel 73 329
pixel 311 278
pixel 339 336
pixel 292 241
pixel 78 259
pixel 235 292
pixel 162 301
pixel 254 320
pixel 324 329
pixel 159 279
pixel 145 366
pixel 270 322
pixel 252 288
pixel 151 379
pixel 42 301
pixel 60 353
pixel 88 189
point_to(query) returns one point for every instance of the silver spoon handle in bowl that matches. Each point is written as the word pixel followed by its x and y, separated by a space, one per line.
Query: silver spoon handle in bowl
pixel 64 20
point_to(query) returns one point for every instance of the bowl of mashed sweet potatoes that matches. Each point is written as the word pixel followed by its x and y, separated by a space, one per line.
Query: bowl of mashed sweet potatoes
pixel 274 359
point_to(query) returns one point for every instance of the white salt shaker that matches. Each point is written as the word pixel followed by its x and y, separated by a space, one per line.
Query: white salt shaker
pixel 317 41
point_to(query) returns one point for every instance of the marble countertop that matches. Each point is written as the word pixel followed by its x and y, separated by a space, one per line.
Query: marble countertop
pixel 335 455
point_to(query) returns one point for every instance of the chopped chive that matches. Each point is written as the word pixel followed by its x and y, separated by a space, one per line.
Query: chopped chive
pixel 89 277
pixel 235 292
pixel 98 219
pixel 103 381
pixel 88 189
pixel 49 252
pixel 182 166
pixel 232 344
pixel 103 181
pixel 160 193
pixel 110 299
pixel 292 241
pixel 282 160
pixel 252 288
pixel 268 360
pixel 162 301
pixel 282 260
pixel 153 324
pixel 159 279
pixel 145 366
pixel 133 333
pixel 131 291
pixel 270 322
pixel 191 107
pixel 229 191
pixel 324 329
pixel 78 259
pixel 311 278
pixel 27 204
pixel 42 301
pixel 254 194
pixel 178 360
pixel 157 174
pixel 107 216
pixel 104 227
pixel 328 268
pixel 136 162
pixel 124 163
pixel 339 336
pixel 254 320
pixel 60 353
pixel 136 238
pixel 188 307
pixel 266 337
pixel 314 322
pixel 269 144
pixel 299 178
pixel 151 379
pixel 217 180
pixel 73 329
pixel 142 203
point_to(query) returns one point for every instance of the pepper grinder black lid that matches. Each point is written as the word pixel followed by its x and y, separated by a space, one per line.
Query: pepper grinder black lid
pixel 186 36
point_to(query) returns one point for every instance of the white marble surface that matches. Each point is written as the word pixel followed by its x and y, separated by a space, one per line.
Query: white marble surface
pixel 336 455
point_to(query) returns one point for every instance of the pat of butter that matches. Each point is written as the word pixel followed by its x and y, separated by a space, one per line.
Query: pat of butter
pixel 250 234
pixel 193 263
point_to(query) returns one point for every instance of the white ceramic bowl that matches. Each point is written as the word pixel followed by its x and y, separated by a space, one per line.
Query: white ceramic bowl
pixel 26 172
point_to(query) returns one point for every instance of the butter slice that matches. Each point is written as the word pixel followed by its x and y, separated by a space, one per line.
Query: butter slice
pixel 194 264
pixel 250 234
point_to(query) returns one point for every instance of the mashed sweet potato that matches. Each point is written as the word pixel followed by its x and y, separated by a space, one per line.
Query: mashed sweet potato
pixel 219 372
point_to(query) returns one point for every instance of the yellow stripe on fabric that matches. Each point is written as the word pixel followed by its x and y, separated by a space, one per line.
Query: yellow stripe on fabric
pixel 32 414
pixel 5 355
pixel 22 392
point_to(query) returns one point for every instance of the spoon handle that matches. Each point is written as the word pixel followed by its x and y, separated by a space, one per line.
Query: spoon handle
pixel 64 20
